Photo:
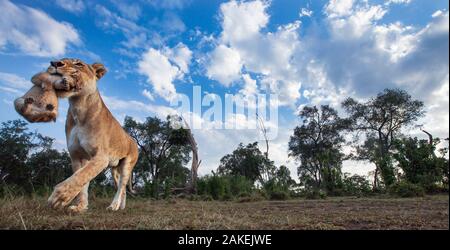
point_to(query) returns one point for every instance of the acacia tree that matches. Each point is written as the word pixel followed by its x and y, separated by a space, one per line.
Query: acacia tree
pixel 27 159
pixel 382 118
pixel 47 165
pixel 164 151
pixel 419 162
pixel 317 145
pixel 16 143
pixel 247 161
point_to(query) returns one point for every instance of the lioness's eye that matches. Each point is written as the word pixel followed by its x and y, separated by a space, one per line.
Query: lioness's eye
pixel 79 64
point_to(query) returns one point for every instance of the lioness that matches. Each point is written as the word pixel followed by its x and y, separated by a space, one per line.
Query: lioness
pixel 95 139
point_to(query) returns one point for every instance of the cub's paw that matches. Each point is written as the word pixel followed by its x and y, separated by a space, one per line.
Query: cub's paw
pixel 66 84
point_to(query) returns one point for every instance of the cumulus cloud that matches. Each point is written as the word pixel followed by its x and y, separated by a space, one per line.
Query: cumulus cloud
pixel 33 32
pixel 351 22
pixel 137 109
pixel 246 46
pixel 365 54
pixel 356 53
pixel 163 67
pixel 250 87
pixel 160 73
pixel 180 55
pixel 338 8
pixel 377 56
pixel 225 65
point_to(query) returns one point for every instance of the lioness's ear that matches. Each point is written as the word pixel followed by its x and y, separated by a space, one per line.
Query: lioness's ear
pixel 99 70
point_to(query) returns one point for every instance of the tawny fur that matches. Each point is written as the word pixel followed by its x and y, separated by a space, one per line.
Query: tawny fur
pixel 95 139
pixel 40 103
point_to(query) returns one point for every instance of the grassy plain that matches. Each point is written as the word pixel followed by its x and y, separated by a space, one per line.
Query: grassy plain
pixel 430 212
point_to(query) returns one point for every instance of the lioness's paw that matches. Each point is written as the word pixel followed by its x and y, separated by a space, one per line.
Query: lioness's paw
pixel 77 209
pixel 114 206
pixel 61 196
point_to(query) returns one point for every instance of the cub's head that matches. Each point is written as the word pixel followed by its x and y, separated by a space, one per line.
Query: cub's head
pixel 81 74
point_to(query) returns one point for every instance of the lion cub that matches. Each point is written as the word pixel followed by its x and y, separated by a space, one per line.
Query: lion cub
pixel 49 81
pixel 40 103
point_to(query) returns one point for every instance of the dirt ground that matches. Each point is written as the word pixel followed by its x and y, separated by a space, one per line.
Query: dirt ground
pixel 429 212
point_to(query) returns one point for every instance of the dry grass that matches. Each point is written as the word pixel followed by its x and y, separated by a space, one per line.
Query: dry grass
pixel 430 212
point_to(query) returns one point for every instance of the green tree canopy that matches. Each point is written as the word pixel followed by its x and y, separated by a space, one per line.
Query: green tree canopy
pixel 164 151
pixel 383 117
pixel 317 145
pixel 247 161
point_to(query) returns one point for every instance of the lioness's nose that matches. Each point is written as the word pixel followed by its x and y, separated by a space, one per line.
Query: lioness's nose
pixel 57 63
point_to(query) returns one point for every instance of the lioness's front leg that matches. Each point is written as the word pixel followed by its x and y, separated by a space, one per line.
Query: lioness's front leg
pixel 67 190
pixel 81 202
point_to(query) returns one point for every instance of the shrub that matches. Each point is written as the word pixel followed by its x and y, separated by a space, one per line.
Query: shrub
pixel 43 191
pixel 206 197
pixel 405 189
pixel 276 190
pixel 279 195
pixel 11 190
pixel 239 185
pixel 253 197
pixel 224 187
pixel 315 194
pixel 435 188
pixel 356 185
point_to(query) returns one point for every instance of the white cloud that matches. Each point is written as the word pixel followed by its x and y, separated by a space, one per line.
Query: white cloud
pixel 383 55
pixel 243 20
pixel 137 109
pixel 351 22
pixel 74 6
pixel 14 81
pixel 136 36
pixel 395 39
pixel 33 32
pixel 160 73
pixel 180 55
pixel 365 54
pixel 339 8
pixel 244 45
pixel 224 65
pixel 437 13
pixel 305 12
pixel 148 95
pixel 163 67
pixel 398 2
pixel 250 86
pixel 129 10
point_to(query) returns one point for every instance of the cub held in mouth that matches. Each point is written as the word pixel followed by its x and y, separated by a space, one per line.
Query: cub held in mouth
pixel 40 103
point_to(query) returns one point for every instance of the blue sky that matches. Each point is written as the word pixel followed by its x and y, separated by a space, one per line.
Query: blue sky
pixel 306 52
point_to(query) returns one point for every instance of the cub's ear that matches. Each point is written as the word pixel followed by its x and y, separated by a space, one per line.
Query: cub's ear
pixel 99 70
